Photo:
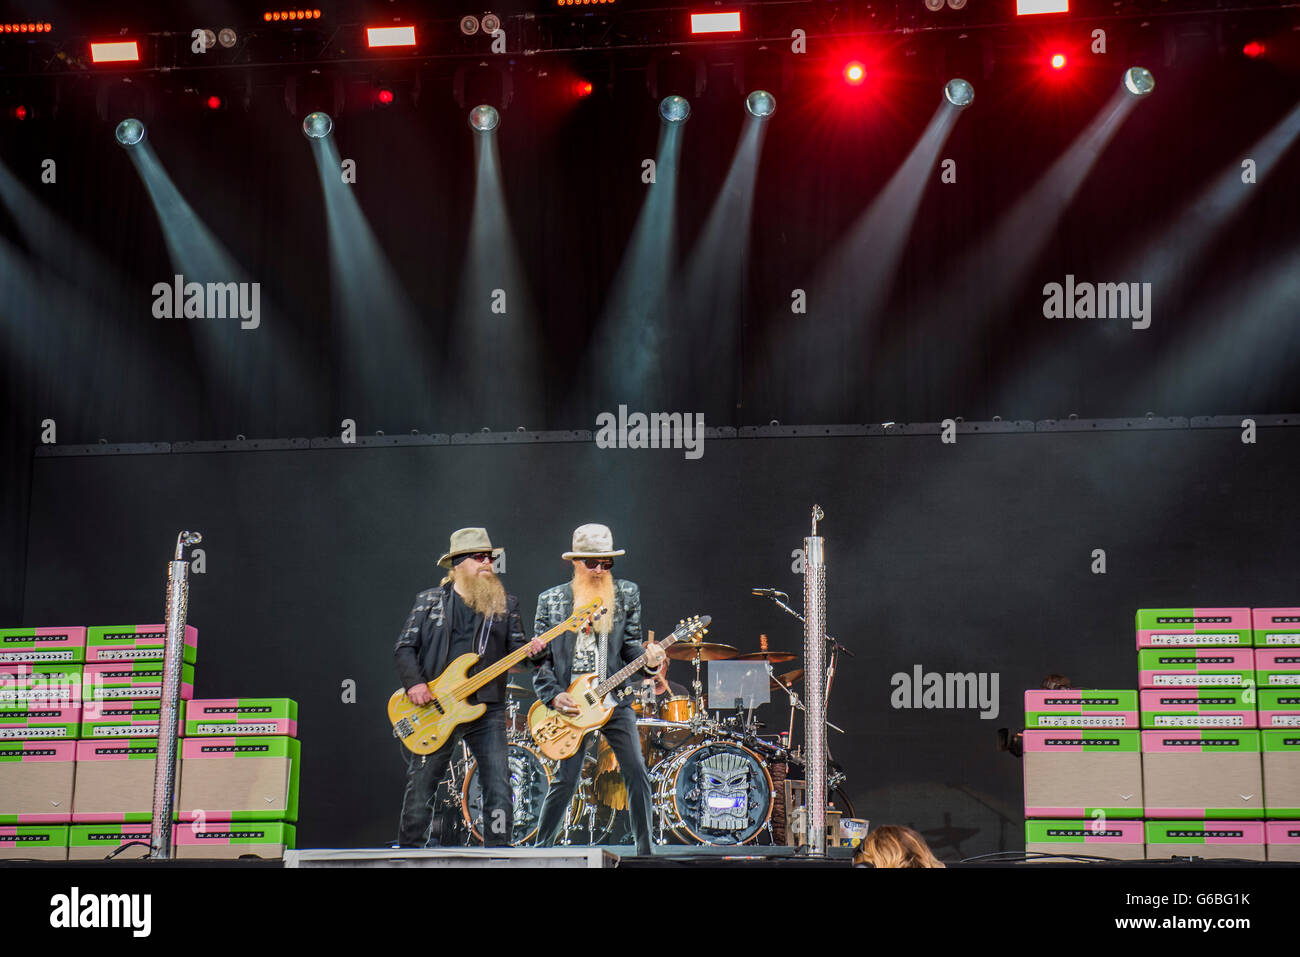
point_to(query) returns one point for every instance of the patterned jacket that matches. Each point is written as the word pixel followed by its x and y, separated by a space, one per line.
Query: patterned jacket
pixel 555 667
pixel 423 645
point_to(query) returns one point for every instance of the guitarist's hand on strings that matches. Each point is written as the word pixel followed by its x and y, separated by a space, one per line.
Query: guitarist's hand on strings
pixel 536 647
pixel 419 694
pixel 565 704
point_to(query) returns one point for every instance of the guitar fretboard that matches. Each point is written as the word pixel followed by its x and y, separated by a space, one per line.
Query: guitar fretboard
pixel 618 677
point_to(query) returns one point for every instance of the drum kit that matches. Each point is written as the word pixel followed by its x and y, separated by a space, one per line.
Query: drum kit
pixel 714 780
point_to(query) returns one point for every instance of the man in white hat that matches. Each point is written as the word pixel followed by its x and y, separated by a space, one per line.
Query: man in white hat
pixel 468 612
pixel 615 641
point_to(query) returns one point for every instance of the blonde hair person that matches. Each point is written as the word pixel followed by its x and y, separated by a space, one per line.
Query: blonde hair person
pixel 894 846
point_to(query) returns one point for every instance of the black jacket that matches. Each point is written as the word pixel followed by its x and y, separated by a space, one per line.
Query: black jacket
pixel 422 647
pixel 555 666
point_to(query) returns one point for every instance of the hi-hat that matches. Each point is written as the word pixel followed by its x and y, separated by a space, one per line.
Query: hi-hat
pixel 776 657
pixel 704 650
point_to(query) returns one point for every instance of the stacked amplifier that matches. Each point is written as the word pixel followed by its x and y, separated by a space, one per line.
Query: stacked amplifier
pixel 79 717
pixel 1215 737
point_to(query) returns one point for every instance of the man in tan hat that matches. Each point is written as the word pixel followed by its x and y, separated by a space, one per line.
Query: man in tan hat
pixel 615 641
pixel 468 612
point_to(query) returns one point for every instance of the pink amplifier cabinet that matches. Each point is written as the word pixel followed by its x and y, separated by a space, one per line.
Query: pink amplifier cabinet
pixel 36 781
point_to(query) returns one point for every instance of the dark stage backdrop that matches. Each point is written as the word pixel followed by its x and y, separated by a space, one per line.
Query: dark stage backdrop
pixel 973 557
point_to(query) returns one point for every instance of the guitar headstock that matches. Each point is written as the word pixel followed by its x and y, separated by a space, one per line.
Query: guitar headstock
pixel 692 629
pixel 587 615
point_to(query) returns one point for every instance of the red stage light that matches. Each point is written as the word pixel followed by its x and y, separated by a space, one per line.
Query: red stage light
pixel 214 102
pixel 582 88
pixel 384 96
pixel 123 51
pixel 854 73
pixel 1058 61
pixel 1254 49
pixel 20 112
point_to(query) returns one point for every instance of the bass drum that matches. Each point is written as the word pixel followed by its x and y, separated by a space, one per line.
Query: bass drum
pixel 530 778
pixel 714 793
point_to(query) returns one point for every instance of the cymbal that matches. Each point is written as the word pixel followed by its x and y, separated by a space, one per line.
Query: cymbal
pixel 776 657
pixel 787 680
pixel 707 651
pixel 521 689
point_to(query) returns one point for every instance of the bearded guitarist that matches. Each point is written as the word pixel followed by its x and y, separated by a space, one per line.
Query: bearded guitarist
pixel 469 612
pixel 614 641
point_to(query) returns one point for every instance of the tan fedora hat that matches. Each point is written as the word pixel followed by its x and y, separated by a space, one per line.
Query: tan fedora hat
pixel 467 541
pixel 593 541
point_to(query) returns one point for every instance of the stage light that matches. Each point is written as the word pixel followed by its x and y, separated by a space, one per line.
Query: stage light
pixel 675 109
pixel 317 125
pixel 761 103
pixel 1139 81
pixel 934 6
pixel 1025 8
pixel 491 24
pixel 854 73
pixel 484 119
pixel 582 88
pixel 384 96
pixel 129 132
pixel 1058 61
pixel 121 51
pixel 469 25
pixel 715 22
pixel 214 102
pixel 25 28
pixel 19 112
pixel 227 37
pixel 390 36
pixel 1254 49
pixel 209 39
pixel 283 16
pixel 957 4
pixel 959 93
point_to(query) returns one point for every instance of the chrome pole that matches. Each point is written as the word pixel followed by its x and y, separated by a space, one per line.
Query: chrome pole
pixel 164 775
pixel 814 656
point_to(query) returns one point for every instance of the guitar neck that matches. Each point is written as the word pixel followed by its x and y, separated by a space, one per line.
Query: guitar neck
pixel 618 677
pixel 491 673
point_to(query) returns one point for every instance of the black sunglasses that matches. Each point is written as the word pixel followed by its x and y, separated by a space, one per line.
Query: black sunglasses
pixel 479 556
pixel 594 563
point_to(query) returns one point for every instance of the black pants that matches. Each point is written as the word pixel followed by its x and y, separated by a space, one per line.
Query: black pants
pixel 620 732
pixel 486 738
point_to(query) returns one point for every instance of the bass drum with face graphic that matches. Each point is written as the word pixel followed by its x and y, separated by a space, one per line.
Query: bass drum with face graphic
pixel 530 778
pixel 715 793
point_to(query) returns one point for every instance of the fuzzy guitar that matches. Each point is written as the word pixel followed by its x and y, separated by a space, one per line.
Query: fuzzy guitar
pixel 558 735
pixel 425 728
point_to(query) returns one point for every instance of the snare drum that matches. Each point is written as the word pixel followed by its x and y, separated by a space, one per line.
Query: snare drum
pixel 678 708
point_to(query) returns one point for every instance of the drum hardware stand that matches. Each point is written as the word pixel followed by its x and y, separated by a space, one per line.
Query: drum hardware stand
pixel 164 775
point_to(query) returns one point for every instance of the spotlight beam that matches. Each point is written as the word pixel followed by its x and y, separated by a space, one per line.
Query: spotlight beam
pixel 494 337
pixel 377 331
pixel 241 370
pixel 1160 257
pixel 711 297
pixel 629 338
pixel 850 291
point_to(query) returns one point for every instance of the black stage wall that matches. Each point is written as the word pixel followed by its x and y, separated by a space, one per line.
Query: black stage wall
pixel 973 557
